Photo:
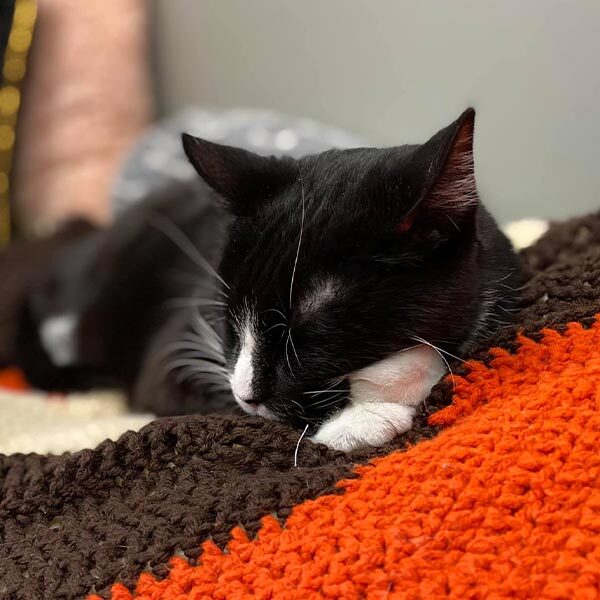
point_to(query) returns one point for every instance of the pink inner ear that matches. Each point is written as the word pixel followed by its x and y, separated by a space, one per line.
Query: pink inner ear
pixel 455 192
pixel 405 224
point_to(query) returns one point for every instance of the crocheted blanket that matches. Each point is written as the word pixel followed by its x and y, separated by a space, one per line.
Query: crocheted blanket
pixel 494 494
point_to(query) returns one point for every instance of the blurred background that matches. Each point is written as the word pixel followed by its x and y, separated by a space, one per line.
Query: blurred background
pixel 95 77
pixel 397 71
pixel 94 95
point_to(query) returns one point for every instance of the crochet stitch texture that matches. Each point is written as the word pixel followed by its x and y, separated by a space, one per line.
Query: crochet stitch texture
pixel 494 494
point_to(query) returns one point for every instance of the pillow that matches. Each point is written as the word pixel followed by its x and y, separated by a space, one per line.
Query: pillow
pixel 158 161
pixel 87 99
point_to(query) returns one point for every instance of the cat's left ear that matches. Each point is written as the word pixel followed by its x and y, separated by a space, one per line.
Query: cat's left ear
pixel 242 178
pixel 442 194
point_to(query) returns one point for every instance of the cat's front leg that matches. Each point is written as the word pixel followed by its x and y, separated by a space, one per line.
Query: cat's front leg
pixel 383 400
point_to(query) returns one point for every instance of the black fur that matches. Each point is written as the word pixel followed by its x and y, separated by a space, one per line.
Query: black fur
pixel 409 250
pixel 121 282
pixel 448 277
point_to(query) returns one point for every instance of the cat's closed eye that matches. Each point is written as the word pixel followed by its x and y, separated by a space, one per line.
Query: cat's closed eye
pixel 318 296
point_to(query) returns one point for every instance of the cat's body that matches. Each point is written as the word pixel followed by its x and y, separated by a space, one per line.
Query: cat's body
pixel 95 315
pixel 343 280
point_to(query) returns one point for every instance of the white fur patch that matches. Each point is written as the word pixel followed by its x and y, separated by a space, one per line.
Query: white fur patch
pixel 57 335
pixel 242 377
pixel 383 400
pixel 261 411
pixel 365 424
pixel 322 293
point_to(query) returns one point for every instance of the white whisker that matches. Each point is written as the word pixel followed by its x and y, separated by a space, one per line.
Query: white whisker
pixel 195 345
pixel 329 391
pixel 274 326
pixel 334 382
pixel 183 242
pixel 275 310
pixel 195 377
pixel 191 302
pixel 287 356
pixel 195 350
pixel 187 362
pixel 317 420
pixel 195 280
pixel 327 401
pixel 298 447
pixel 416 338
pixel 300 237
pixel 291 339
pixel 202 322
pixel 297 404
pixel 439 351
pixel 324 408
pixel 198 355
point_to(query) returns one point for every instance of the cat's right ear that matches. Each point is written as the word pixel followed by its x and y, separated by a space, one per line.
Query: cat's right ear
pixel 242 178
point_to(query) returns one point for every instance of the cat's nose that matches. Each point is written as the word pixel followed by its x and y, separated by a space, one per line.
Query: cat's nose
pixel 248 403
pixel 241 396
pixel 251 406
pixel 252 402
pixel 255 406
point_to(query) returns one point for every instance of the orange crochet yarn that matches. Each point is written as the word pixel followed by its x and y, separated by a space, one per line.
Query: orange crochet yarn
pixel 503 504
pixel 12 379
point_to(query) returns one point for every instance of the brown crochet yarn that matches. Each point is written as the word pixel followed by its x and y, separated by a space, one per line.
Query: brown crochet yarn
pixel 74 524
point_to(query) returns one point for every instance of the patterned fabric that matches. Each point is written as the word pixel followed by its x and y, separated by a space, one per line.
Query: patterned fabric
pixel 158 159
pixel 494 494
pixel 87 100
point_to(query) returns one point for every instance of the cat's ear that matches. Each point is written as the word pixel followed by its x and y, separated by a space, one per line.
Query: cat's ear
pixel 242 178
pixel 441 191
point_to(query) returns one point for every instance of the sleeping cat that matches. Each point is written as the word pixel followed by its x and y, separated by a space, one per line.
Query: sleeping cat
pixel 344 279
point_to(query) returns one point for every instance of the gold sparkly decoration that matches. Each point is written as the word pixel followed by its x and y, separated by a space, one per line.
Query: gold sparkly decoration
pixel 7 137
pixel 19 40
pixel 13 72
pixel 25 13
pixel 14 69
pixel 10 99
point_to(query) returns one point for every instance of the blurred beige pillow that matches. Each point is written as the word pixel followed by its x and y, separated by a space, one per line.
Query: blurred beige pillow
pixel 86 99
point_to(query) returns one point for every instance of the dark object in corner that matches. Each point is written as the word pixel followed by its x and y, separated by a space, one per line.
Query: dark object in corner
pixel 18 262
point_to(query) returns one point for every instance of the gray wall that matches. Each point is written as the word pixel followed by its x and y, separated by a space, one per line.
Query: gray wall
pixel 397 70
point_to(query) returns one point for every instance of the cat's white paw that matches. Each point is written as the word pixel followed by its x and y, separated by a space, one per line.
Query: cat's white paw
pixel 383 400
pixel 362 425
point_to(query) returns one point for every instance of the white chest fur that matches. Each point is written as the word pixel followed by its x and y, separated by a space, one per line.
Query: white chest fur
pixel 383 400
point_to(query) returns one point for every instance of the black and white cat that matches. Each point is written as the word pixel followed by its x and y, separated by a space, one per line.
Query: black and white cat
pixel 343 279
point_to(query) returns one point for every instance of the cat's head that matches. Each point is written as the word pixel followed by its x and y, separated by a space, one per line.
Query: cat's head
pixel 338 260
